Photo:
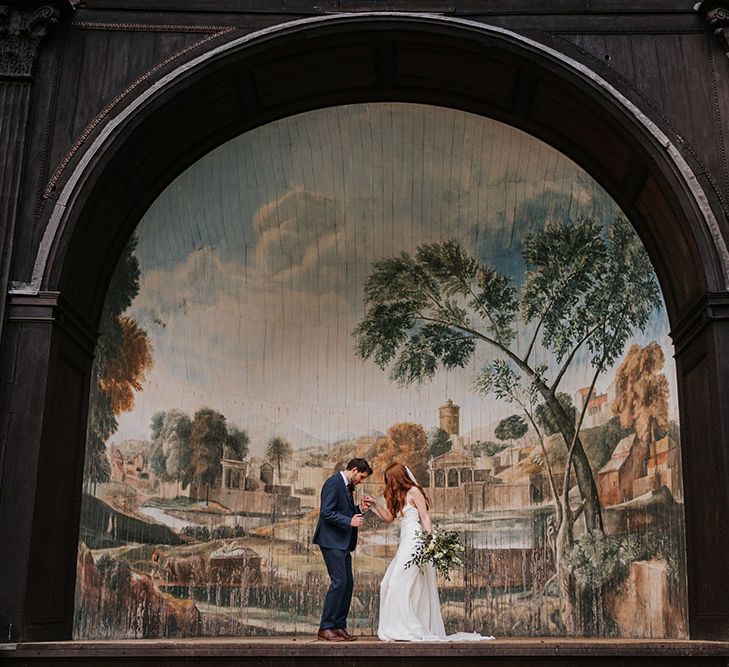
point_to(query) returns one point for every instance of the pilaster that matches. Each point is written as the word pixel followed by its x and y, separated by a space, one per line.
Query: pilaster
pixel 23 29
pixel 702 365
pixel 46 369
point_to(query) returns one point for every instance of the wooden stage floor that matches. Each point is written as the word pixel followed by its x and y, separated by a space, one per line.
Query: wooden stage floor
pixel 307 651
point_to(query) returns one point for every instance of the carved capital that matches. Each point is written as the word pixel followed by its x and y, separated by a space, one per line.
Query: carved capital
pixel 716 13
pixel 711 308
pixel 21 32
pixel 52 308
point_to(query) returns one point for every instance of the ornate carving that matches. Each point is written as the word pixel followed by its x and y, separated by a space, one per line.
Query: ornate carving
pixel 716 13
pixel 21 32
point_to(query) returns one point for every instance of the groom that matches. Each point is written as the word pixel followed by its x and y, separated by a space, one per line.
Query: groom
pixel 336 535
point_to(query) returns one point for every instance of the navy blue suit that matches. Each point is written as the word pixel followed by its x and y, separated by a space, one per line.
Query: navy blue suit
pixel 337 539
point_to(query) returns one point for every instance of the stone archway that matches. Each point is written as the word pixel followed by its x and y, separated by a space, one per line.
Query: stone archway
pixel 248 81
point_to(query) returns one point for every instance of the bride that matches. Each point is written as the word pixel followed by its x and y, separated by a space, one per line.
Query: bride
pixel 409 603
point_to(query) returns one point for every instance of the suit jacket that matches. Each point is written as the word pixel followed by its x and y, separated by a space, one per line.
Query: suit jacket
pixel 334 529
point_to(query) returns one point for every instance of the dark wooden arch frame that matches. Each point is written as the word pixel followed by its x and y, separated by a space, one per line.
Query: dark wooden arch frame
pixel 242 83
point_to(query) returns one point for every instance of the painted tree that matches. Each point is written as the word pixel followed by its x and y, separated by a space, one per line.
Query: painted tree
pixel 487 448
pixel 102 425
pixel 411 448
pixel 176 447
pixel 236 444
pixel 511 428
pixel 406 443
pixel 208 434
pixel 278 452
pixel 123 356
pixel 641 395
pixel 439 442
pixel 384 452
pixel 157 455
pixel 543 415
pixel 125 369
pixel 586 289
pixel 503 381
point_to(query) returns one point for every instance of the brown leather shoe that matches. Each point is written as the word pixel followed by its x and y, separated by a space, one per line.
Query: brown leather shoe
pixel 347 637
pixel 330 635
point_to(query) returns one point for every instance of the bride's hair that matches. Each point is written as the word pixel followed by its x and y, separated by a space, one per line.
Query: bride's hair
pixel 397 484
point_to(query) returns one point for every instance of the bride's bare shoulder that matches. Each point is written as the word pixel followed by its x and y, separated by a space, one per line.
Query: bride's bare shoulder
pixel 414 494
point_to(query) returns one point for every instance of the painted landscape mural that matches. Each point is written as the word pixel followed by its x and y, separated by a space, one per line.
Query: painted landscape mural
pixel 394 282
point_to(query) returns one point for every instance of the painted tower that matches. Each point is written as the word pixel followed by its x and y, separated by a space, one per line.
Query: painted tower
pixel 449 417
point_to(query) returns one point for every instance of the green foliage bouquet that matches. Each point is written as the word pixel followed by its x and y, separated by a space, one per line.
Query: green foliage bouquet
pixel 440 547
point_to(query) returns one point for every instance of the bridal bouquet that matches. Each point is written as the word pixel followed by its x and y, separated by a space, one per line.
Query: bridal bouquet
pixel 441 547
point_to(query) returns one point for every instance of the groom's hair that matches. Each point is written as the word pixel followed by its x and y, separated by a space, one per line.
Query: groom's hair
pixel 360 465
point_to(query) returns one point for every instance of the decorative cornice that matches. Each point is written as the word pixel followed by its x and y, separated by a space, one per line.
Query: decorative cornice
pixel 148 27
pixel 716 14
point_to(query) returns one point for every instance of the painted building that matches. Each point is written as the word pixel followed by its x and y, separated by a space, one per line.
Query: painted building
pixel 599 408
pixel 617 477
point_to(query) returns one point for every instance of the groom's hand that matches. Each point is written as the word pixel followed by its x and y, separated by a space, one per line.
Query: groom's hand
pixel 357 521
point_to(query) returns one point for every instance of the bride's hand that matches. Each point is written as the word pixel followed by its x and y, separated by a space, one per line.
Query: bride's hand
pixel 379 509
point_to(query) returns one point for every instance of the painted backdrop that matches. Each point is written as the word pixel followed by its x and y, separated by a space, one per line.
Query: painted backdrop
pixel 397 282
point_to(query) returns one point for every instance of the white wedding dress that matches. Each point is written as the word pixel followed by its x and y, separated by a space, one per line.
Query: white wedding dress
pixel 409 602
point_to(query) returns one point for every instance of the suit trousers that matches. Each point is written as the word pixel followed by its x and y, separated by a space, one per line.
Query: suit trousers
pixel 339 595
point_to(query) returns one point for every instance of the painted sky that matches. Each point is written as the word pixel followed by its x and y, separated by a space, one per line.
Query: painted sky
pixel 254 259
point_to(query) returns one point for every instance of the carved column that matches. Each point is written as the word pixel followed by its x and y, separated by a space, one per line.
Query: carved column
pixel 716 13
pixel 21 33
